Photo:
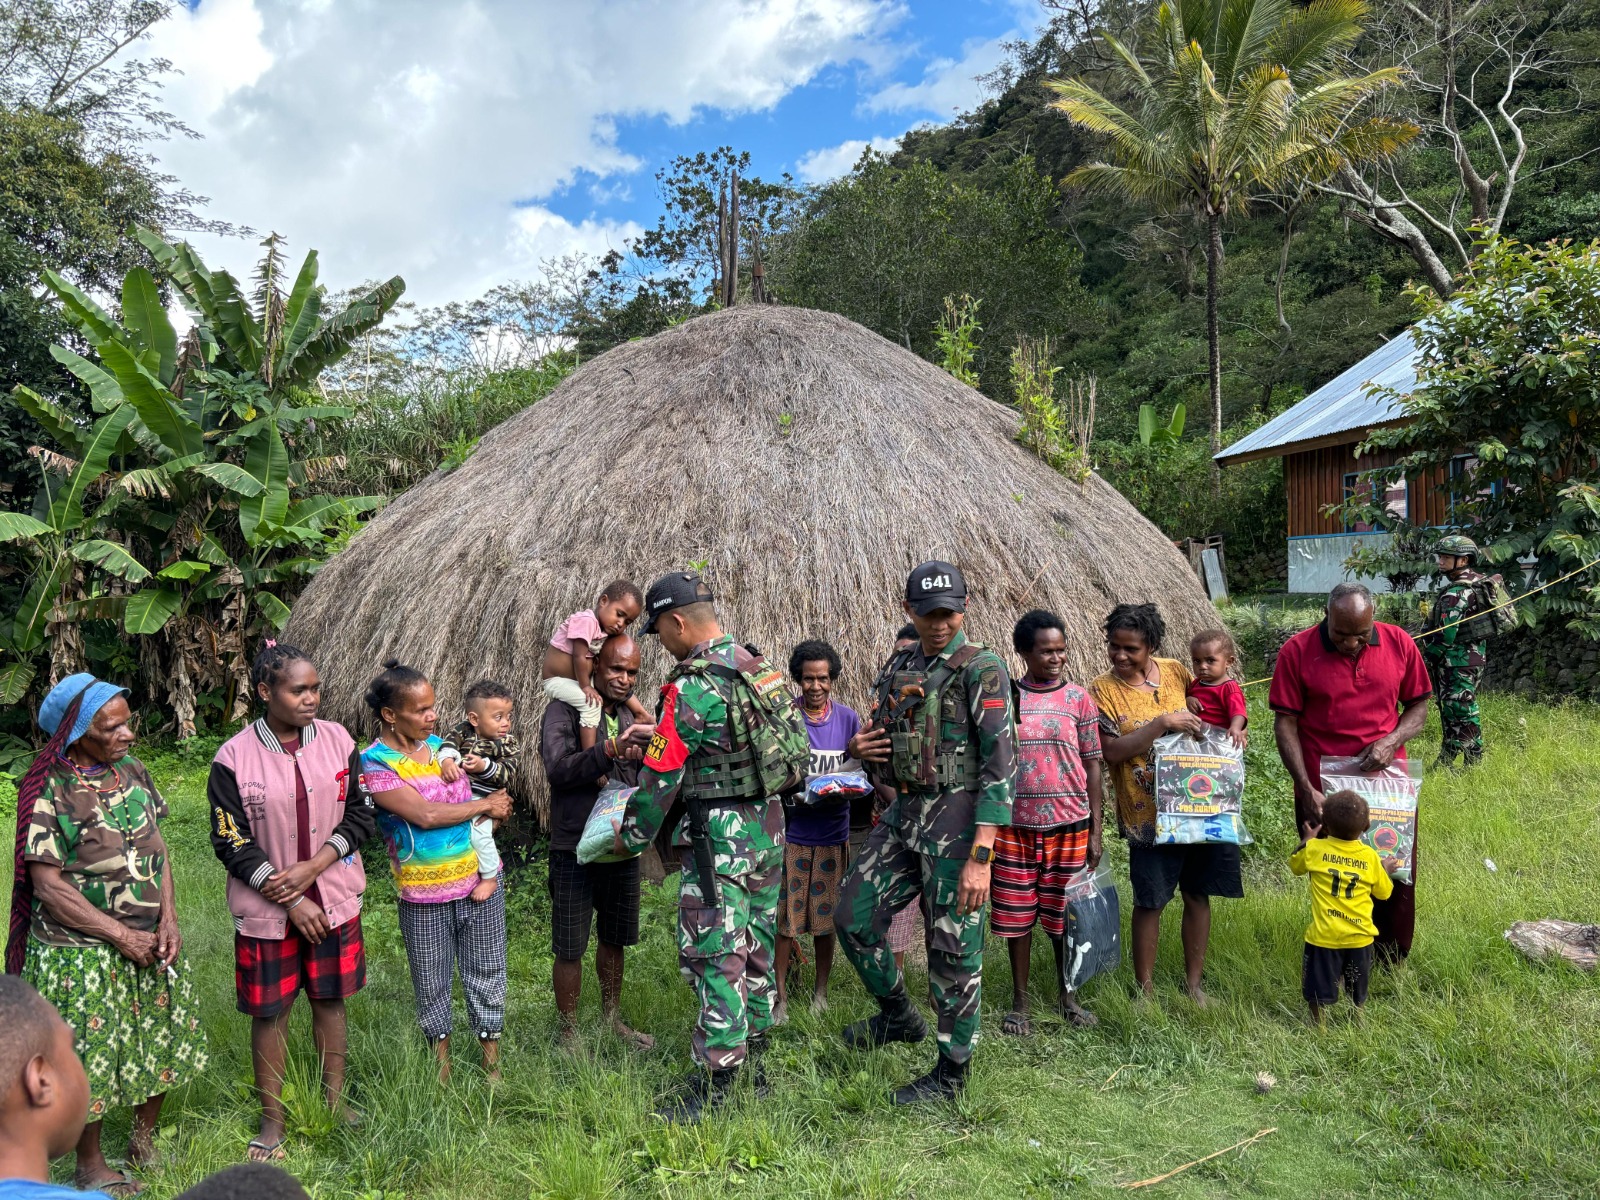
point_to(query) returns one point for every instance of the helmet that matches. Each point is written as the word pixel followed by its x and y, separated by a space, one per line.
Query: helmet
pixel 1457 544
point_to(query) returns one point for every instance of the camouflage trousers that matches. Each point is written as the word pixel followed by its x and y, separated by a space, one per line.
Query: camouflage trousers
pixel 725 953
pixel 1457 689
pixel 887 877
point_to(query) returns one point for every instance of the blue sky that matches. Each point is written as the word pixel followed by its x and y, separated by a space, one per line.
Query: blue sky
pixel 461 143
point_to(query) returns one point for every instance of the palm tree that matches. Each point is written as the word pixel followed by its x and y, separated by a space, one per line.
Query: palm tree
pixel 1237 99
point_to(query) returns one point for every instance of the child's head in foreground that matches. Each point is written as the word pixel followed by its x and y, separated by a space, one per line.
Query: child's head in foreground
pixel 619 606
pixel 1211 652
pixel 1344 816
pixel 44 1093
pixel 489 706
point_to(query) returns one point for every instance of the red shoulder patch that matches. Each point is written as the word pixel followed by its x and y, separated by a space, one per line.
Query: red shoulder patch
pixel 994 702
pixel 667 751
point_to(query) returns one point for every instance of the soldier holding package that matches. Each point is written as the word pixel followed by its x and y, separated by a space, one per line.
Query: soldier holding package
pixel 943 750
pixel 1454 646
pixel 729 741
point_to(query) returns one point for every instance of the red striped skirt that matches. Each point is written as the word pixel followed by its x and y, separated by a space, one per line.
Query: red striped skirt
pixel 1029 882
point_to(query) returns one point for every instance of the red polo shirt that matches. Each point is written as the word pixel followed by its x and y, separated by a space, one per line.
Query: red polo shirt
pixel 1346 704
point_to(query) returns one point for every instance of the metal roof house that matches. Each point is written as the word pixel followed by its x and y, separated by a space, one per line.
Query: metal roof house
pixel 1317 439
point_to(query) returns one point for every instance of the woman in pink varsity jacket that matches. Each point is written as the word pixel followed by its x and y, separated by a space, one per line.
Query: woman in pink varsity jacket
pixel 288 816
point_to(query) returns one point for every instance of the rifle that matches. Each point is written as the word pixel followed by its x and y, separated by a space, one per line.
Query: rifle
pixel 705 861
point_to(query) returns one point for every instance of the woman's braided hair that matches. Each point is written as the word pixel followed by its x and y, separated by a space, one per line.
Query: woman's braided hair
pixel 270 661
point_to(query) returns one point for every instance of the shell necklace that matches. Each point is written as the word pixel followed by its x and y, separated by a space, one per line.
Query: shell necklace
pixel 122 823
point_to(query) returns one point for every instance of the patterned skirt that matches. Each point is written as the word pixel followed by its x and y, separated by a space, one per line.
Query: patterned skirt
pixel 137 1028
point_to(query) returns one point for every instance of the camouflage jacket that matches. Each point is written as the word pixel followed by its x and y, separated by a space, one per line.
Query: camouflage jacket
pixel 691 722
pixel 976 708
pixel 1457 601
pixel 102 832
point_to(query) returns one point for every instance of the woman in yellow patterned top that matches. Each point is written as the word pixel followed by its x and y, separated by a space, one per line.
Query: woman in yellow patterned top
pixel 94 925
pixel 1141 698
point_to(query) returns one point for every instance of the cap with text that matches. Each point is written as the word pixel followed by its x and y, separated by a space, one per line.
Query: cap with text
pixel 936 585
pixel 677 590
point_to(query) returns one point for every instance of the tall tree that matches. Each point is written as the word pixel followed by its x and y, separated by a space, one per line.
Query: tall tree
pixel 1236 99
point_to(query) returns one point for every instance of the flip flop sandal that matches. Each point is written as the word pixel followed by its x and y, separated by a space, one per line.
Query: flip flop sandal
pixel 1016 1024
pixel 119 1186
pixel 269 1154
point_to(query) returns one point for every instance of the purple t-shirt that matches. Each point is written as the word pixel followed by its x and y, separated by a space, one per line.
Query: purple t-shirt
pixel 830 742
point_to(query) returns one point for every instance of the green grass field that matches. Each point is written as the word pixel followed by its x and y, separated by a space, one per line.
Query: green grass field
pixel 1472 1072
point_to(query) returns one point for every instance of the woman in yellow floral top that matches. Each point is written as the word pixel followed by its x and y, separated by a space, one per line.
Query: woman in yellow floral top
pixel 94 926
pixel 1141 698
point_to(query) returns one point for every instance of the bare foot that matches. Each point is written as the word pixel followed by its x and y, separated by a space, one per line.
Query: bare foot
pixel 569 1039
pixel 631 1037
pixel 491 1058
pixel 441 1050
pixel 485 889
pixel 1198 995
pixel 1147 992
pixel 780 1012
pixel 819 1002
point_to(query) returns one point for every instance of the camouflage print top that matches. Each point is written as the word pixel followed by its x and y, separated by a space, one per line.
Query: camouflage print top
pixel 976 707
pixel 1457 601
pixel 692 721
pixel 101 831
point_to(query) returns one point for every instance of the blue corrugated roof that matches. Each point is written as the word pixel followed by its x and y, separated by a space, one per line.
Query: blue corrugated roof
pixel 1341 405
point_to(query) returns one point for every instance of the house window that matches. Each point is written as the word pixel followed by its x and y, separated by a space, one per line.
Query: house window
pixel 1385 486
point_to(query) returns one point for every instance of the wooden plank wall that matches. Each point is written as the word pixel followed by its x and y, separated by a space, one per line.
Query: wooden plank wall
pixel 1314 479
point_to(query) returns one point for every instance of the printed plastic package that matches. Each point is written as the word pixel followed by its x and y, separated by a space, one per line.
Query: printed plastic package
pixel 1391 796
pixel 1094 927
pixel 833 789
pixel 1199 787
pixel 598 843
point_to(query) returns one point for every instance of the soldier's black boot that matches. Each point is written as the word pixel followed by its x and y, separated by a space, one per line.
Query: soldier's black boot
pixel 755 1050
pixel 897 1020
pixel 701 1092
pixel 944 1082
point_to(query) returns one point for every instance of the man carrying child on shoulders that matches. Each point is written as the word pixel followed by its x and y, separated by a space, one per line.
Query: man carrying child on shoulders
pixel 607 891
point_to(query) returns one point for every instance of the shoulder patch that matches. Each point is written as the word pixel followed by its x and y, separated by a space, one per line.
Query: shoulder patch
pixel 989 680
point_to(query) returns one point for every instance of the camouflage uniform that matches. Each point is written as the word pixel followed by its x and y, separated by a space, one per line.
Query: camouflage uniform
pixel 924 840
pixel 724 950
pixel 1456 663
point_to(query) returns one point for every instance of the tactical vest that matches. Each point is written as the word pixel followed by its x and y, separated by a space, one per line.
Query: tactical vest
pixel 770 748
pixel 912 706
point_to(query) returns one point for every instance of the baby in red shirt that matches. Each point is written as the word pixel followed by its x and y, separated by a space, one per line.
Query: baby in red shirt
pixel 1214 697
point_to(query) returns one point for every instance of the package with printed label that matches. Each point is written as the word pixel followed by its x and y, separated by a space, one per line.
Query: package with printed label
pixel 598 842
pixel 1199 789
pixel 1391 796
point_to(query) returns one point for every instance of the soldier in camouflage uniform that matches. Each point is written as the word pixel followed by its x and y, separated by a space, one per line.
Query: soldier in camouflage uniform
pixel 725 941
pixel 944 749
pixel 1455 651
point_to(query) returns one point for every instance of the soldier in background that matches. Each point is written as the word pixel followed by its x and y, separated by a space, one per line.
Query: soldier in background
pixel 732 832
pixel 944 750
pixel 1454 647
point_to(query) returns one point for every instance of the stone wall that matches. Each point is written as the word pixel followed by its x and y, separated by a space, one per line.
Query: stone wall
pixel 1544 664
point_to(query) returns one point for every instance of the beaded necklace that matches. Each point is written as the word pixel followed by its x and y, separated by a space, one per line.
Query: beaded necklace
pixel 122 823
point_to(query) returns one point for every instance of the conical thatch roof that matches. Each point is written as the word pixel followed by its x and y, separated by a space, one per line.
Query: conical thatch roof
pixel 805 460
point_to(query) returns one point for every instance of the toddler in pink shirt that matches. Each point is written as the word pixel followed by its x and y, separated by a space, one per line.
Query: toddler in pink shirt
pixel 569 659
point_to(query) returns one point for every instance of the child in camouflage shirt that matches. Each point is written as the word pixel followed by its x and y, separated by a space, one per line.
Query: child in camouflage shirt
pixel 487 750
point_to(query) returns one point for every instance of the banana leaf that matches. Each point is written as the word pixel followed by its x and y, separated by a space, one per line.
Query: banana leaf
pixel 66 511
pixel 95 322
pixel 149 610
pixel 268 461
pixel 111 557
pixel 157 407
pixel 104 394
pixel 57 422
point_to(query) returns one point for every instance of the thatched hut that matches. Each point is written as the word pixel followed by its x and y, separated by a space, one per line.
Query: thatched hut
pixel 806 462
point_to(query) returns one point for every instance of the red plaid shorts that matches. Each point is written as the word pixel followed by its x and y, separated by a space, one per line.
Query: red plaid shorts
pixel 269 972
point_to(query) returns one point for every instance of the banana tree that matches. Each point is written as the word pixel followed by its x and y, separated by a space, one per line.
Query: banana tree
pixel 180 511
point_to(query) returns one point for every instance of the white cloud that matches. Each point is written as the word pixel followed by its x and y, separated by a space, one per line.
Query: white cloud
pixel 948 85
pixel 420 137
pixel 830 162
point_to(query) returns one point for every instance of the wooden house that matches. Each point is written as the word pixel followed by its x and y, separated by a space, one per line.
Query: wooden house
pixel 1317 441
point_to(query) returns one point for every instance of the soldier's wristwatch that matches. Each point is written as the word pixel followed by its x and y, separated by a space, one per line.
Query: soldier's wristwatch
pixel 983 855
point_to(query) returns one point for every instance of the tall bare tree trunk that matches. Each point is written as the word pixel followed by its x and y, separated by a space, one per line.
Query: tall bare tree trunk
pixel 1214 339
pixel 1385 219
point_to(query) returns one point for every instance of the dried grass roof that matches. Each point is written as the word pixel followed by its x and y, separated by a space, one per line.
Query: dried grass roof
pixel 809 462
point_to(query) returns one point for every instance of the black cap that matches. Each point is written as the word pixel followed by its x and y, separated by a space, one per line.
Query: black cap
pixel 677 590
pixel 935 585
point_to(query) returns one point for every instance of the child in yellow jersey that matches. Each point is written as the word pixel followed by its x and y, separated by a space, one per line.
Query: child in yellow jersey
pixel 1345 877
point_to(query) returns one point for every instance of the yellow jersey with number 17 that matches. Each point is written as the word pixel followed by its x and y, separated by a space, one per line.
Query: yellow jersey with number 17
pixel 1345 878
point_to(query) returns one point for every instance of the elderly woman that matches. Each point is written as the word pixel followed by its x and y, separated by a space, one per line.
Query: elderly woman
pixel 287 820
pixel 94 925
pixel 427 809
pixel 1141 698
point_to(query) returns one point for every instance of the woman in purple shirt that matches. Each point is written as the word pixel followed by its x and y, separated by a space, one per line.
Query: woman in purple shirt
pixel 817 840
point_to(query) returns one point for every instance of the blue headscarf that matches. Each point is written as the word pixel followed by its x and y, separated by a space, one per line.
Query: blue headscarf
pixel 97 693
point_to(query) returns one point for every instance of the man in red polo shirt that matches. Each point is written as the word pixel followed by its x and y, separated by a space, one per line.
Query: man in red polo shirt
pixel 1355 687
